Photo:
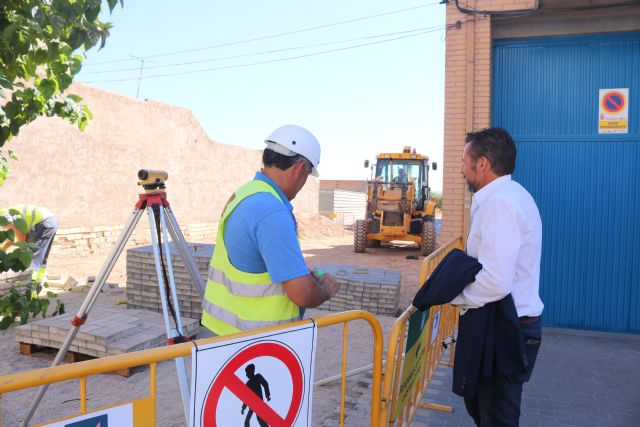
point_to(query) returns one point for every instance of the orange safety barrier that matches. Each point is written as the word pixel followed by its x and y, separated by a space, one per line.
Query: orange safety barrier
pixel 403 391
pixel 145 408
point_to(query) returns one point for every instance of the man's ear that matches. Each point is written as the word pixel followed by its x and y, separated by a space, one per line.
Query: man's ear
pixel 484 163
pixel 298 167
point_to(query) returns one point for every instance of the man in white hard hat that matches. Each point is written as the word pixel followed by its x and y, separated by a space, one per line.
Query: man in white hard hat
pixel 258 276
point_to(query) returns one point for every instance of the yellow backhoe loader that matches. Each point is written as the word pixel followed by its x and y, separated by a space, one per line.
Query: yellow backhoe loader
pixel 398 203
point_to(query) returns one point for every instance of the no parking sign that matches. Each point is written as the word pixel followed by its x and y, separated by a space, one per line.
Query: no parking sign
pixel 264 379
pixel 613 111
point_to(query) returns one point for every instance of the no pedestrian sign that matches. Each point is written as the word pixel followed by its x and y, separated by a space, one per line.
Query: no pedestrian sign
pixel 264 380
pixel 614 111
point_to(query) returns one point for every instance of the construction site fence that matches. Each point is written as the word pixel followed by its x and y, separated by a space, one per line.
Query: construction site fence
pixel 398 405
pixel 387 408
pixel 146 406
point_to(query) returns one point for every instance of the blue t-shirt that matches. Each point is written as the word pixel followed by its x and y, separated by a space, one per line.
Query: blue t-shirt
pixel 265 236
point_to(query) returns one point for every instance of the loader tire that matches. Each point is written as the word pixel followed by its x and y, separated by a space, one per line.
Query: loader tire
pixel 360 236
pixel 428 242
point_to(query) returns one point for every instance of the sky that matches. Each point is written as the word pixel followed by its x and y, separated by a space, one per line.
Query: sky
pixel 364 76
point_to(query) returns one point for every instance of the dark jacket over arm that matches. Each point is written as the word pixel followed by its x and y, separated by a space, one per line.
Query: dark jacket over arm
pixel 489 338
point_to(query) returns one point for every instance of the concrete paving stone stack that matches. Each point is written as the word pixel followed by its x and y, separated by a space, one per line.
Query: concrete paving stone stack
pixel 361 288
pixel 107 332
pixel 10 279
pixel 142 281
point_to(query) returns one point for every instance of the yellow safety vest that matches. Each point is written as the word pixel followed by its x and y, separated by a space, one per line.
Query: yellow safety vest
pixel 235 300
pixel 31 214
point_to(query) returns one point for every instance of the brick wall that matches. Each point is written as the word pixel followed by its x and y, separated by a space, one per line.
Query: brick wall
pixel 467 99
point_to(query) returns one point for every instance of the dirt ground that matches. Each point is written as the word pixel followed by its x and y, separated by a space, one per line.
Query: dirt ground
pixel 322 243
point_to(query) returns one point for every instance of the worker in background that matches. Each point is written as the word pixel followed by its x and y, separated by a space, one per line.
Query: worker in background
pixel 402 176
pixel 258 276
pixel 505 236
pixel 41 227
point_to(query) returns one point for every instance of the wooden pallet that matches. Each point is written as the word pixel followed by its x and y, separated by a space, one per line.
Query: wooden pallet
pixel 49 353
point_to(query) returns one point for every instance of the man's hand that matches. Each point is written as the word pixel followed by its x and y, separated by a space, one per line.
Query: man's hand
pixel 311 290
pixel 330 284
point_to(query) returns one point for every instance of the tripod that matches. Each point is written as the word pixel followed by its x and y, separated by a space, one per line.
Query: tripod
pixel 161 219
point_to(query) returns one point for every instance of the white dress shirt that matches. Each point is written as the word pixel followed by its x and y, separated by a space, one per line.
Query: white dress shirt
pixel 506 237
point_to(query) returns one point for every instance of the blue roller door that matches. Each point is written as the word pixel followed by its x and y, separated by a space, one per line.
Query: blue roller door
pixel 546 93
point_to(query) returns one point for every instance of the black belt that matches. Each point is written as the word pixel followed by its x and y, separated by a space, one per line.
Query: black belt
pixel 528 319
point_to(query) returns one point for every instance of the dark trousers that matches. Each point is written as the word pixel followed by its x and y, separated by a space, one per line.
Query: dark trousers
pixel 42 235
pixel 497 401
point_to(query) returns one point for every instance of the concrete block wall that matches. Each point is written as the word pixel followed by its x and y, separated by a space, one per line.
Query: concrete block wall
pixel 375 290
pixel 84 241
pixel 142 281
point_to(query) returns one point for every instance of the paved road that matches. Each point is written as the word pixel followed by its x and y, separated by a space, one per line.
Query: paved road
pixel 582 379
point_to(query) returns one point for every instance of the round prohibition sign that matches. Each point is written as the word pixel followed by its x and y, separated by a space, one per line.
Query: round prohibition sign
pixel 613 102
pixel 227 379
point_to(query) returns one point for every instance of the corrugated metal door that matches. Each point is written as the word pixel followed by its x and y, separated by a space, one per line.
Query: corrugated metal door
pixel 586 185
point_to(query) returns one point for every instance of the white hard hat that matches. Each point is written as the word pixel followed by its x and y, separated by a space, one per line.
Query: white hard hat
pixel 290 140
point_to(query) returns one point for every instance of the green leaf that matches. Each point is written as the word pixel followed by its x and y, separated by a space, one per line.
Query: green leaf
pixel 48 88
pixel 112 4
pixel 4 82
pixel 6 322
pixel 44 305
pixel 25 258
pixel 75 64
pixel 25 245
pixel 9 31
pixel 64 81
pixel 77 38
pixel 82 123
pixel 24 316
pixel 41 56
pixel 21 225
pixel 12 109
pixel 13 155
pixel 93 10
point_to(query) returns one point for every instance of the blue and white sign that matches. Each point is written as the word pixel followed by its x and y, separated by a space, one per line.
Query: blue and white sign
pixel 118 416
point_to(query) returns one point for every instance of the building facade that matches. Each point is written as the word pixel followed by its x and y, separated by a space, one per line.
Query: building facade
pixel 563 76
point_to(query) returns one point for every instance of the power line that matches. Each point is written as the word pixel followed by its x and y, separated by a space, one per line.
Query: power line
pixel 179 64
pixel 270 36
pixel 272 60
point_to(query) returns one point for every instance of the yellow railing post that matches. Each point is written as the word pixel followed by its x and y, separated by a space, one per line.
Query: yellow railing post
pixel 393 369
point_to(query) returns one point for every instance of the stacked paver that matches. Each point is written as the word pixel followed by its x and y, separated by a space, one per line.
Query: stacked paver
pixel 107 332
pixel 10 279
pixel 372 289
pixel 142 280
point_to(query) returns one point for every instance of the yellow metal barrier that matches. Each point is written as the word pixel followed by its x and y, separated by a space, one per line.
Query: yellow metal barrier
pixel 82 370
pixel 399 409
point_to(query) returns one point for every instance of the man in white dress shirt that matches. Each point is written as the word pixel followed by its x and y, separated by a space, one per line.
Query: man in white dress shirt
pixel 505 236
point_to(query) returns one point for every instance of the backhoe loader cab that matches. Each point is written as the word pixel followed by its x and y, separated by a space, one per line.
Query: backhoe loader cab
pixel 398 203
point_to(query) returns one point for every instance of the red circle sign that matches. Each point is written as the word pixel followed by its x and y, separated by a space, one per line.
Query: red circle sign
pixel 613 102
pixel 227 379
